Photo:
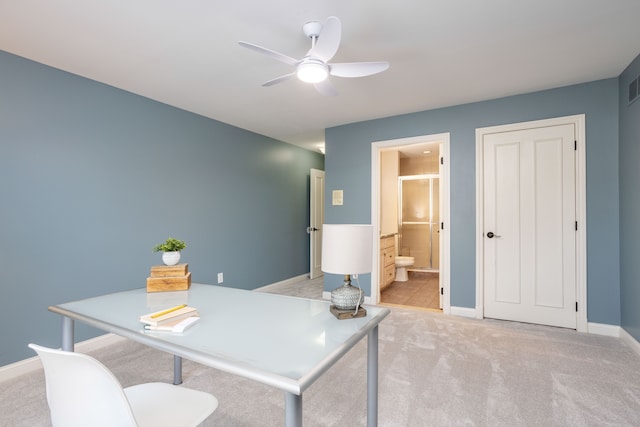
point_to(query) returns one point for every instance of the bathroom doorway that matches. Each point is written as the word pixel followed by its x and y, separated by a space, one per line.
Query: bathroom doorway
pixel 410 201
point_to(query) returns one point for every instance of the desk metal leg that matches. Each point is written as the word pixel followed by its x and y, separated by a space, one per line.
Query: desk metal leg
pixel 67 334
pixel 293 410
pixel 372 378
pixel 177 370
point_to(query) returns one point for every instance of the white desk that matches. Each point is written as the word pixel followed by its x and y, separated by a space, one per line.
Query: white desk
pixel 285 342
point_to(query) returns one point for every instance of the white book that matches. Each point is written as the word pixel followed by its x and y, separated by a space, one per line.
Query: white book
pixel 180 325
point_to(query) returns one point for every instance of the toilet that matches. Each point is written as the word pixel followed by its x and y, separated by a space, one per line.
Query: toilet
pixel 402 262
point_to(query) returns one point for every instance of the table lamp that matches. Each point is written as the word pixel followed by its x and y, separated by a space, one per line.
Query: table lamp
pixel 347 249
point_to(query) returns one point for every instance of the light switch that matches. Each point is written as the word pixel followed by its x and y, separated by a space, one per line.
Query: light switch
pixel 336 198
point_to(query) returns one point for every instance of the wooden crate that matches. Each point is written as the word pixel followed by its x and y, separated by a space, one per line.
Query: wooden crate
pixel 177 270
pixel 169 283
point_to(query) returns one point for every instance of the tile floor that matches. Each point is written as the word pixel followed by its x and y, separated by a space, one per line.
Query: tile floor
pixel 421 290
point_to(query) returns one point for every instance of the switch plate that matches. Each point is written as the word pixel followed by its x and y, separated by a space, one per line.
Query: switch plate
pixel 337 197
pixel 220 277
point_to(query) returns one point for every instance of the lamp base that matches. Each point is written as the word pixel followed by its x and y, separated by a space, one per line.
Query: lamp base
pixel 347 314
pixel 347 297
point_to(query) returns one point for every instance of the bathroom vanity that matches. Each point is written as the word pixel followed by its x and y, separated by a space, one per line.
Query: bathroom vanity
pixel 387 260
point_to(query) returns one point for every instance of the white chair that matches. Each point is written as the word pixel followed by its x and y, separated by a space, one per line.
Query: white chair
pixel 82 392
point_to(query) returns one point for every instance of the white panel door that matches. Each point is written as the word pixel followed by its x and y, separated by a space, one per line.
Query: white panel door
pixel 529 226
pixel 316 213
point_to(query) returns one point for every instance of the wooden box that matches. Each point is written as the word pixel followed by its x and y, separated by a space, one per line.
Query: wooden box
pixel 169 270
pixel 166 278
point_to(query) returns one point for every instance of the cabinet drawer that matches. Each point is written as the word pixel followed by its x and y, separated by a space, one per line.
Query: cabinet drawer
pixel 389 257
pixel 389 274
pixel 387 242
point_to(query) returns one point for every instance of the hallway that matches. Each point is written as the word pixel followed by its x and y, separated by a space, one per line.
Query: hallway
pixel 420 291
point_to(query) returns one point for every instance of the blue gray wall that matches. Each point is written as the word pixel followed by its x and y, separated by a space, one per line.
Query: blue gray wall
pixel 630 204
pixel 93 177
pixel 348 167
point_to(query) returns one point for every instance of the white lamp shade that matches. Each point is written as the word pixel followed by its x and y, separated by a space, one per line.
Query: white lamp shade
pixel 347 248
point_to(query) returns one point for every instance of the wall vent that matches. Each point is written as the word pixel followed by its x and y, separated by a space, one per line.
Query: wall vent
pixel 634 90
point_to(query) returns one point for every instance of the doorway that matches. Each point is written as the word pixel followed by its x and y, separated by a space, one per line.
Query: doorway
pixel 531 222
pixel 420 230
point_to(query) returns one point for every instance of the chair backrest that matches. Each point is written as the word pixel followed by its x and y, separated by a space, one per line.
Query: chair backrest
pixel 82 392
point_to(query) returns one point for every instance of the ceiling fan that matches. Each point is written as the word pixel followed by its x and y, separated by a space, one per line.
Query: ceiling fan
pixel 315 67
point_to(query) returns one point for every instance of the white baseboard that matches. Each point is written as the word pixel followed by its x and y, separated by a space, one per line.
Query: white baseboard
pixel 603 329
pixel 31 364
pixel 628 339
pixel 285 282
pixel 463 312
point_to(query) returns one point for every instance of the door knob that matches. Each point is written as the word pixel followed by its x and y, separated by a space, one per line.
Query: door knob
pixel 491 235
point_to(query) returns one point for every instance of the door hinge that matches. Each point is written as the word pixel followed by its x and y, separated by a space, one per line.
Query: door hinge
pixel 442 160
pixel 576 306
pixel 442 226
pixel 575 145
pixel 441 291
pixel 576 225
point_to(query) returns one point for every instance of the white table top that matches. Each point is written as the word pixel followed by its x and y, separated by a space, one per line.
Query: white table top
pixel 286 342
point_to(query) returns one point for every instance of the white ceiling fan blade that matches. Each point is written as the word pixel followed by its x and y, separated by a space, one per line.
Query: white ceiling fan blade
pixel 326 88
pixel 328 40
pixel 279 80
pixel 272 53
pixel 357 69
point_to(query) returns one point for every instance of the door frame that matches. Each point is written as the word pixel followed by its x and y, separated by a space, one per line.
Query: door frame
pixel 578 122
pixel 445 263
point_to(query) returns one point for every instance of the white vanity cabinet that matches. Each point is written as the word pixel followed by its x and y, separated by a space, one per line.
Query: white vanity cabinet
pixel 387 261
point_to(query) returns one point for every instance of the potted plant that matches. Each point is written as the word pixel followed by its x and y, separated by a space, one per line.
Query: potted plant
pixel 170 250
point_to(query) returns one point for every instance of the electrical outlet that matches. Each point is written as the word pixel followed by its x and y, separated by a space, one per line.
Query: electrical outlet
pixel 220 277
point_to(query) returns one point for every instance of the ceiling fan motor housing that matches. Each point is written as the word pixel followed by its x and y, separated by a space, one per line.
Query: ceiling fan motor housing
pixel 312 29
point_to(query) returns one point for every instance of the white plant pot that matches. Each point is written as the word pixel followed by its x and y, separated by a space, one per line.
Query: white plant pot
pixel 171 258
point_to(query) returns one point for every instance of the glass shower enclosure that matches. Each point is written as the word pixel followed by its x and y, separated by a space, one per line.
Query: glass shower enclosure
pixel 419 220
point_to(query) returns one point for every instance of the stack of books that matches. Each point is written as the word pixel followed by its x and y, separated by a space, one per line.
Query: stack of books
pixel 174 319
pixel 169 278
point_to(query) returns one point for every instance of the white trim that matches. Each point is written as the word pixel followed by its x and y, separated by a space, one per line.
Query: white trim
pixel 445 182
pixel 479 312
pixel 25 366
pixel 288 281
pixel 581 209
pixel 604 329
pixel 628 339
pixel 463 312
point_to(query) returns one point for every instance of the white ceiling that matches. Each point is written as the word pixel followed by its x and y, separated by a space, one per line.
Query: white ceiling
pixel 442 53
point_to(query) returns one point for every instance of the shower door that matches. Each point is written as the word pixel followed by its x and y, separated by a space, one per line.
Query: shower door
pixel 419 218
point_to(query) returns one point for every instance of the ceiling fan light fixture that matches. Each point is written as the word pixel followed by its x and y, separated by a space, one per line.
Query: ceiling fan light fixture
pixel 312 71
pixel 315 67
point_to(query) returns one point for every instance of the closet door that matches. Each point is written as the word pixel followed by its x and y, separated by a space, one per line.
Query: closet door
pixel 529 225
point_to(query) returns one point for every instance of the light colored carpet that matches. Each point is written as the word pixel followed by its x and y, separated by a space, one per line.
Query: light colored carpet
pixel 435 370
